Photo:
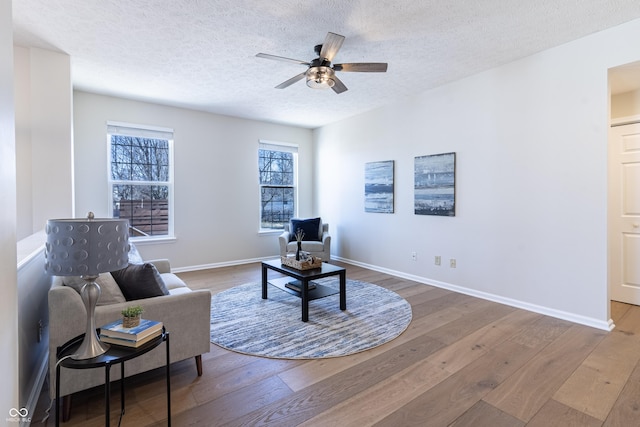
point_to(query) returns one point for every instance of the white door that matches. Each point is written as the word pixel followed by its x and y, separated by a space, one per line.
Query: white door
pixel 624 232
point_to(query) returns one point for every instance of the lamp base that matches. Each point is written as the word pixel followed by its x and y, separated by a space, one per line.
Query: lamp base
pixel 91 345
pixel 90 348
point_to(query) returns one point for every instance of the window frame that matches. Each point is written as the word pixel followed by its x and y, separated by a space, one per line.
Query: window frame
pixel 283 147
pixel 147 131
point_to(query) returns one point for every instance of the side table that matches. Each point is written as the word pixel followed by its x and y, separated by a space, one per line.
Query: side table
pixel 115 354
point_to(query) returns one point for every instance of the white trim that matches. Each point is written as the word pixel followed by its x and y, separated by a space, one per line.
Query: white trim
pixel 278 146
pixel 621 121
pixel 138 126
pixel 30 258
pixel 270 232
pixel 571 317
pixel 149 240
pixel 29 248
pixel 36 390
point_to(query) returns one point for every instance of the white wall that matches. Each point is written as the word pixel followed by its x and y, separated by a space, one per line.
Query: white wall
pixel 9 397
pixel 44 184
pixel 531 182
pixel 24 172
pixel 216 177
pixel 43 137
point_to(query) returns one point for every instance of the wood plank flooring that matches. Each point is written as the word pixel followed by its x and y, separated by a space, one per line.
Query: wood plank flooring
pixel 463 361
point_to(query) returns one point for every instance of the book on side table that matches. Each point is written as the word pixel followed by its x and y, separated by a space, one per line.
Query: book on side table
pixel 115 333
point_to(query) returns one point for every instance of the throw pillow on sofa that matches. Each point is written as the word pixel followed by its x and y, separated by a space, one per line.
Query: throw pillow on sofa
pixel 134 255
pixel 312 229
pixel 109 290
pixel 138 281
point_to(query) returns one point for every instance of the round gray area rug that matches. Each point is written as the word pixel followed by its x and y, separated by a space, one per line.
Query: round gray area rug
pixel 243 322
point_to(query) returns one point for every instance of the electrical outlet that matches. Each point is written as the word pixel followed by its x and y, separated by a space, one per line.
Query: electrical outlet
pixel 438 260
pixel 414 256
pixel 452 263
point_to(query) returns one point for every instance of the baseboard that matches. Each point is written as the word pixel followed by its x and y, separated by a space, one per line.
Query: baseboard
pixel 36 388
pixel 559 314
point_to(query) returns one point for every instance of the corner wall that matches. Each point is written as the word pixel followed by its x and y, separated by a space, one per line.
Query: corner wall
pixel 531 181
pixel 43 138
pixel 9 395
pixel 44 183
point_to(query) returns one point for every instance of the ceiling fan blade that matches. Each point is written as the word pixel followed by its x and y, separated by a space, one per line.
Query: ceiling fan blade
pixel 291 81
pixel 362 67
pixel 281 58
pixel 338 87
pixel 331 46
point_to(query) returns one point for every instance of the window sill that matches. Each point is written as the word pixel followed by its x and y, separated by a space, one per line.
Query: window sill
pixel 30 247
pixel 270 232
pixel 152 240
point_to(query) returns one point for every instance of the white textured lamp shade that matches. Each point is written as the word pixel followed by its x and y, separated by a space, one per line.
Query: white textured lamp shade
pixel 86 247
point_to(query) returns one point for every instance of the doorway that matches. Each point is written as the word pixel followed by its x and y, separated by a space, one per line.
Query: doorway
pixel 624 184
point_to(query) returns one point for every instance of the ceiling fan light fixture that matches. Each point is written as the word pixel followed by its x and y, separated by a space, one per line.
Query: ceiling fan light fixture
pixel 320 77
pixel 321 74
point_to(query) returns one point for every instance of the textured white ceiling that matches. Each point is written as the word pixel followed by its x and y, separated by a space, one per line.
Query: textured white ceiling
pixel 200 54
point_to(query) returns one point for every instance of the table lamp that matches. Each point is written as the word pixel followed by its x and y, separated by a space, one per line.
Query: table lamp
pixel 86 248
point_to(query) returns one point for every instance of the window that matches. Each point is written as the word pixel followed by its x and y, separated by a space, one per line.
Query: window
pixel 277 164
pixel 141 178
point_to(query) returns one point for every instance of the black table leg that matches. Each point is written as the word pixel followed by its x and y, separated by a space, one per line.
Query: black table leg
pixel 121 391
pixel 107 361
pixel 58 406
pixel 107 393
pixel 168 382
pixel 343 290
pixel 305 300
pixel 264 282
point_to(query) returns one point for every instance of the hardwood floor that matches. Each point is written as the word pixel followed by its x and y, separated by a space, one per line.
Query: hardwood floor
pixel 463 361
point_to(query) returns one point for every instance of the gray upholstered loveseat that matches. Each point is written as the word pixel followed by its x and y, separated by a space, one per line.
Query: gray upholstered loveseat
pixel 185 314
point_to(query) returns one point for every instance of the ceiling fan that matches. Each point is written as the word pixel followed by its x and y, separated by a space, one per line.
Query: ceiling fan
pixel 320 73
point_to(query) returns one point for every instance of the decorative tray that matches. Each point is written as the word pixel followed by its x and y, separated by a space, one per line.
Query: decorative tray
pixel 290 261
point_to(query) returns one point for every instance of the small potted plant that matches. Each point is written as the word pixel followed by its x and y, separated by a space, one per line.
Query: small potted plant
pixel 131 316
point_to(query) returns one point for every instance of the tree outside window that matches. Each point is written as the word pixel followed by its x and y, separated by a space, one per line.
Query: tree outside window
pixel 277 168
pixel 141 181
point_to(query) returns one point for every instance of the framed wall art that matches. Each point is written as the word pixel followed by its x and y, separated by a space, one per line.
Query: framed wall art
pixel 435 185
pixel 378 187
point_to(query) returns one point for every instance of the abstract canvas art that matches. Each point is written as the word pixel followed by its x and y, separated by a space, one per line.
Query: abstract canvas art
pixel 434 185
pixel 378 187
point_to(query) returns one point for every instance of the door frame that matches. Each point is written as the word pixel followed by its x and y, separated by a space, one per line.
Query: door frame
pixel 613 193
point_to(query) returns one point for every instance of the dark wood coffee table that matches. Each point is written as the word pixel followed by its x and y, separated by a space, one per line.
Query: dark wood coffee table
pixel 304 277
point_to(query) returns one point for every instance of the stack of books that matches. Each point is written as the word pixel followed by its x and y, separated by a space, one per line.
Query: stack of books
pixel 296 285
pixel 115 333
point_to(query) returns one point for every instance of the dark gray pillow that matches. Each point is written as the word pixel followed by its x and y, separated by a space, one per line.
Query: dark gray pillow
pixel 138 281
